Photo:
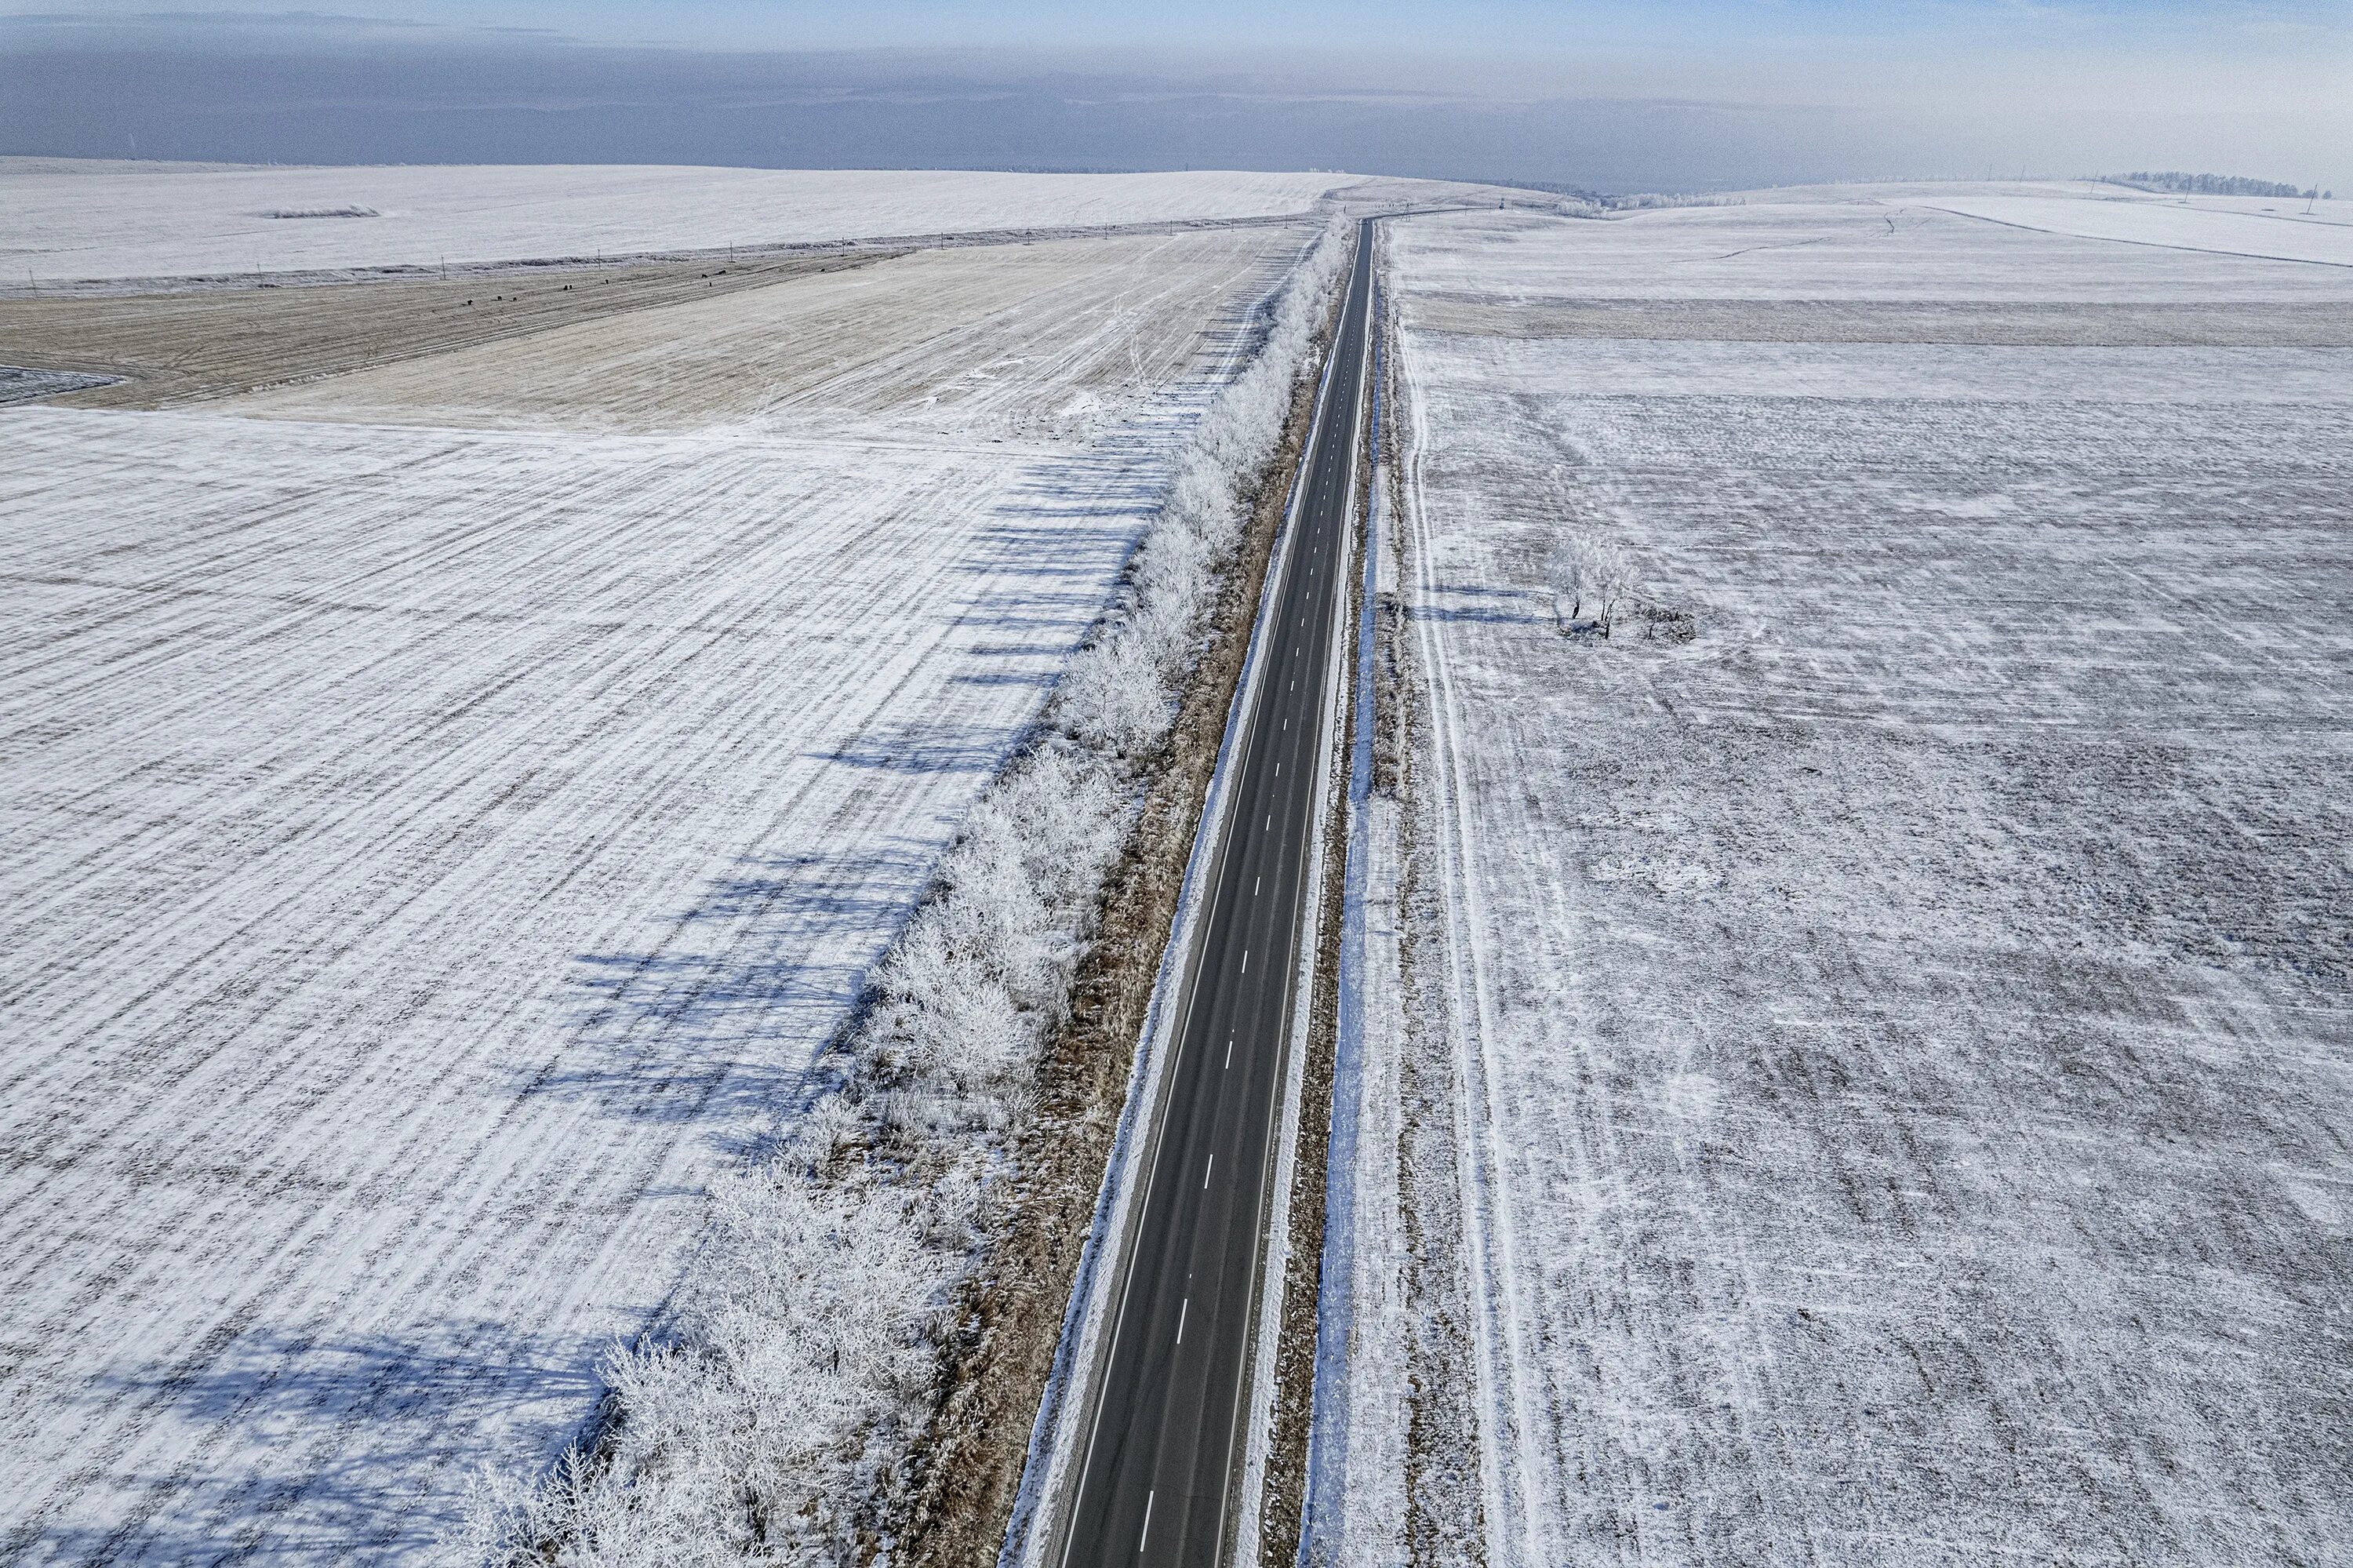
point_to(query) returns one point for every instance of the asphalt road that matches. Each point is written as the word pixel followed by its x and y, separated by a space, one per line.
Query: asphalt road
pixel 1157 1483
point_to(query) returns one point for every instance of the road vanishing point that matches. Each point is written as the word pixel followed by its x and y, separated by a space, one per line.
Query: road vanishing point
pixel 1159 1478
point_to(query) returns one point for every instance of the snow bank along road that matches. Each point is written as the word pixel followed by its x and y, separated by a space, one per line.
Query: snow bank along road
pixel 1898 1047
pixel 430 851
pixel 1159 1475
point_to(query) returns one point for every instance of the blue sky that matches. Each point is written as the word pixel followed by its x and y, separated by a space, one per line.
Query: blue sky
pixel 1991 56
pixel 1548 27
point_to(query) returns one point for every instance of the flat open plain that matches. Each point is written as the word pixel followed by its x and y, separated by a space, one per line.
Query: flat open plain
pixel 83 220
pixel 1867 1085
pixel 1877 1078
pixel 1019 341
pixel 449 802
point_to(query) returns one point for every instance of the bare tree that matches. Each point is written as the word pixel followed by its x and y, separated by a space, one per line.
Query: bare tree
pixel 1615 580
pixel 1581 569
pixel 1569 572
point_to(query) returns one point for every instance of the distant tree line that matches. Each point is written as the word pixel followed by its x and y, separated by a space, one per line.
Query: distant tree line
pixel 1578 202
pixel 2174 180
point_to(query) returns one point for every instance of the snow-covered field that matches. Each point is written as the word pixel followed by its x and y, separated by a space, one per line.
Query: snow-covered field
pixel 73 219
pixel 19 384
pixel 2277 226
pixel 1877 1079
pixel 1852 246
pixel 432 850
pixel 1869 1085
pixel 1026 341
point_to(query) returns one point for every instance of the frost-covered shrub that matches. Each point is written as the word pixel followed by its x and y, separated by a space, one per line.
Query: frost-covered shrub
pixel 795 1360
pixel 769 1417
pixel 1593 204
pixel 1116 700
pixel 1667 623
pixel 1648 201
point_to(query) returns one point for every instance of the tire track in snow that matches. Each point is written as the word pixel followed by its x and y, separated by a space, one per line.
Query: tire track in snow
pixel 1504 1369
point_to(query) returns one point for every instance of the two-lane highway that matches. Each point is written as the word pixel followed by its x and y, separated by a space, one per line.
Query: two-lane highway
pixel 1157 1480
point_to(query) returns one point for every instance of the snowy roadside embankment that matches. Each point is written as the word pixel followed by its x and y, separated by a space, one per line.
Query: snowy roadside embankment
pixel 770 1416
